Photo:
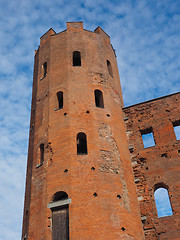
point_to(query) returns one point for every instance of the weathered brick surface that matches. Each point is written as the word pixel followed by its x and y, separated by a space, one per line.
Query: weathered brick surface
pixel 157 164
pixel 114 212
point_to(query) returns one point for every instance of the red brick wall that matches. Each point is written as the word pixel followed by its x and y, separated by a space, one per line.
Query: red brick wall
pixel 105 216
pixel 157 164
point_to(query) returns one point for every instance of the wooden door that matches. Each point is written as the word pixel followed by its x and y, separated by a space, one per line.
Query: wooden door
pixel 60 223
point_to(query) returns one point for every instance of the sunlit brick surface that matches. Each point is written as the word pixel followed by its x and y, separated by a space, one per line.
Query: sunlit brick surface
pixel 100 184
pixel 159 164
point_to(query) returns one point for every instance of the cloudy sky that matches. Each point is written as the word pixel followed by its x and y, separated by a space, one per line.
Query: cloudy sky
pixel 146 36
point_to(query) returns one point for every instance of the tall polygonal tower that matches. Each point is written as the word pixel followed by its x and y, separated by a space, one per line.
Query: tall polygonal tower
pixel 79 182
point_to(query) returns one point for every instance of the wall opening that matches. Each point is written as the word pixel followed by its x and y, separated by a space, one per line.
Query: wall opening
pixel 176 126
pixel 44 69
pixel 109 67
pixel 60 218
pixel 76 58
pixel 162 200
pixel 81 144
pixel 147 137
pixel 59 196
pixel 41 153
pixel 99 98
pixel 60 99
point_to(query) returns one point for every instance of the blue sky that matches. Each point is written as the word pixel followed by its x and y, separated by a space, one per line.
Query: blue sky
pixel 145 34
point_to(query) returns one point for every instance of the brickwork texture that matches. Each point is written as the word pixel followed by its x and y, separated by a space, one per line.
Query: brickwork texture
pixel 107 202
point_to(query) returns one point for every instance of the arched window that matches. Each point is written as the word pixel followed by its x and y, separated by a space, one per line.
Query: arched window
pixel 81 143
pixel 60 216
pixel 44 68
pixel 99 98
pixel 60 99
pixel 59 196
pixel 162 200
pixel 41 153
pixel 109 67
pixel 76 58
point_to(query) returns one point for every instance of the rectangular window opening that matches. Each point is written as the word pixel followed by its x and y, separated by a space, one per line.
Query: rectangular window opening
pixel 41 154
pixel 147 137
pixel 60 99
pixel 176 126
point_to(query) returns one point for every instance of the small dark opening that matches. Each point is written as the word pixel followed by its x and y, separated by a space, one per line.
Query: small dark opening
pixel 81 143
pixel 60 99
pixel 123 229
pixel 95 194
pixel 109 68
pixel 44 69
pixel 60 196
pixel 164 155
pixel 93 168
pixel 76 58
pixel 65 114
pixel 118 196
pixel 99 98
pixel 41 153
pixel 108 115
pixel 87 111
pixel 66 170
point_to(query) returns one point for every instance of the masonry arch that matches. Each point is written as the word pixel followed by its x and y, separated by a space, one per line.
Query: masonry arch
pixel 81 143
pixel 59 206
pixel 162 200
pixel 99 101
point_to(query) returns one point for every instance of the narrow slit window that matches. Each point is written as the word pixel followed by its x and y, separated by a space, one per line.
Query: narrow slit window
pixel 148 138
pixel 109 67
pixel 99 98
pixel 162 201
pixel 44 67
pixel 60 99
pixel 176 126
pixel 41 154
pixel 76 58
pixel 81 143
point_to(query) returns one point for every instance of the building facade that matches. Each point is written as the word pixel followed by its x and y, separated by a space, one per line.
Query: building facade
pixel 84 146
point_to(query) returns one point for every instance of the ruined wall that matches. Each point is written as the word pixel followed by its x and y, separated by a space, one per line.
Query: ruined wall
pixel 158 164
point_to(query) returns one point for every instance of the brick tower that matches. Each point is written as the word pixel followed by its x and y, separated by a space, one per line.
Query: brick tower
pixel 79 182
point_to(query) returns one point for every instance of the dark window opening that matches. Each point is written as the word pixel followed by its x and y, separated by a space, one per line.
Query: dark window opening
pixel 44 66
pixel 60 99
pixel 81 143
pixel 99 98
pixel 176 126
pixel 76 58
pixel 148 138
pixel 162 200
pixel 41 154
pixel 59 196
pixel 109 68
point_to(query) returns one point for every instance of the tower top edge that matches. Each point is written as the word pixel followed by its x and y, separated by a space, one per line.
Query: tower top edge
pixel 72 27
